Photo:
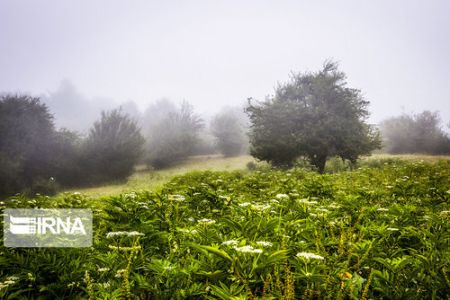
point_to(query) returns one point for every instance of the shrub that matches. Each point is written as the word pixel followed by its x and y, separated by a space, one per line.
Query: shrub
pixel 112 148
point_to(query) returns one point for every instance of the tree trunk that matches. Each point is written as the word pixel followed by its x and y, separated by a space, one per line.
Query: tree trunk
pixel 319 160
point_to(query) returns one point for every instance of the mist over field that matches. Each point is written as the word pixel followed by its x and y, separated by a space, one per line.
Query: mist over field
pixel 225 149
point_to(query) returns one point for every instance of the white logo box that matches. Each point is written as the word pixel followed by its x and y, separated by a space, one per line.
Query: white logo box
pixel 47 228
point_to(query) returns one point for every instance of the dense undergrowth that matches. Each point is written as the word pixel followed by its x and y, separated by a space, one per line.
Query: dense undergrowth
pixel 378 232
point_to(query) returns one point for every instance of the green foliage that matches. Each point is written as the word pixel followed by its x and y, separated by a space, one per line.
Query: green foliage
pixel 314 115
pixel 370 233
pixel 26 138
pixel 113 147
pixel 419 133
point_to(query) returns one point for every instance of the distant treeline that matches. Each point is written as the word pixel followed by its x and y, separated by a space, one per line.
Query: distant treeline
pixel 313 116
pixel 416 133
pixel 36 157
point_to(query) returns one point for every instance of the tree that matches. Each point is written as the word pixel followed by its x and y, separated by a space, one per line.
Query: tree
pixel 228 131
pixel 172 135
pixel 420 133
pixel 113 147
pixel 314 115
pixel 26 140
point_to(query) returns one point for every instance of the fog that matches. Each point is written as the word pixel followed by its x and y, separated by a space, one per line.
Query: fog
pixel 214 53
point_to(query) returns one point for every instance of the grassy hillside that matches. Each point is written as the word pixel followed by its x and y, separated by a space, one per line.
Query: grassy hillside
pixel 144 179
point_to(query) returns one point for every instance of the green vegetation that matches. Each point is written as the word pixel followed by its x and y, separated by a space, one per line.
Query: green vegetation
pixel 315 116
pixel 145 179
pixel 379 231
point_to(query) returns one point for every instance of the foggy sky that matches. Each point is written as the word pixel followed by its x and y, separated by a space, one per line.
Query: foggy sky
pixel 216 53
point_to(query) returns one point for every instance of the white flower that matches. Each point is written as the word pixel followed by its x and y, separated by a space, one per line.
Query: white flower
pixel 260 207
pixel 309 255
pixel 445 212
pixel 247 249
pixel 264 243
pixel 187 230
pixel 196 194
pixel 274 201
pixel 123 233
pixel 12 278
pixel 191 219
pixel 103 269
pixel 230 243
pixel 334 205
pixel 177 198
pixel 120 272
pixel 392 229
pixel 382 209
pixel 131 195
pixel 244 204
pixel 306 201
pixel 282 196
pixel 206 221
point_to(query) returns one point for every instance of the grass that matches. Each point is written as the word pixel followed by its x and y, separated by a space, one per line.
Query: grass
pixel 145 179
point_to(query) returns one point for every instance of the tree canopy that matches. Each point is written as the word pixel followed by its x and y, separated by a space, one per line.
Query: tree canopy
pixel 420 133
pixel 26 136
pixel 113 147
pixel 314 115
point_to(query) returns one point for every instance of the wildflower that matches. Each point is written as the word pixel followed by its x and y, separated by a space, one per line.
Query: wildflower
pixel 282 196
pixel 275 201
pixel 119 273
pixel 309 255
pixel 264 243
pixel 445 212
pixel 244 204
pixel 306 201
pixel 123 233
pixel 260 207
pixel 205 221
pixel 334 205
pixel 191 219
pixel 103 269
pixel 392 229
pixel 230 243
pixel 247 249
pixel 131 195
pixel 382 209
pixel 187 230
pixel 177 198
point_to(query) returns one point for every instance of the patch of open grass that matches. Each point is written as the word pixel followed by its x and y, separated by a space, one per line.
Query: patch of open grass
pixel 145 179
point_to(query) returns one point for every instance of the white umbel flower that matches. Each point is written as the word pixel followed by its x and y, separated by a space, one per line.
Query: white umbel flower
pixel 309 255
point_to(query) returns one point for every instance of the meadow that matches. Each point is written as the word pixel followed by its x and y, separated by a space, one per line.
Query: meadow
pixel 378 231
